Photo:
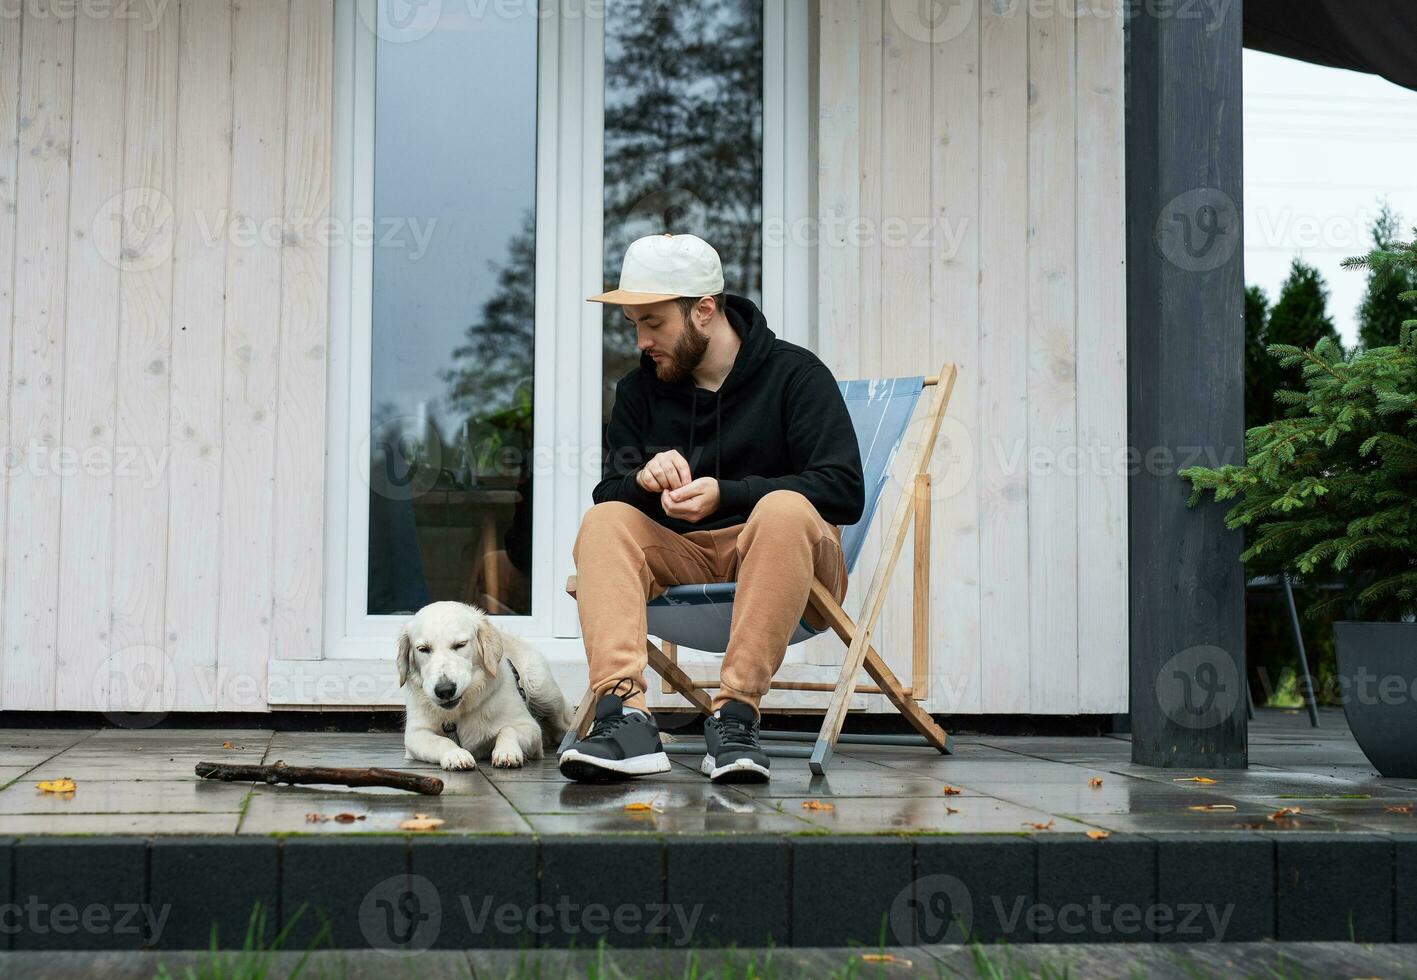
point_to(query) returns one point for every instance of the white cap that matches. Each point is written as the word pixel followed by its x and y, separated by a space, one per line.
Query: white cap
pixel 660 267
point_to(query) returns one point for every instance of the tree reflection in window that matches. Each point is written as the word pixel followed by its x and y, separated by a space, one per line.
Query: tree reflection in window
pixel 683 142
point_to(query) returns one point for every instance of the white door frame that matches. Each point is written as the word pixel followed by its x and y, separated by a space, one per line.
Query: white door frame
pixel 354 666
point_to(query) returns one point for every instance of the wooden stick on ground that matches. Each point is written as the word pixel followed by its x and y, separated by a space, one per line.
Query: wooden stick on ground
pixel 306 775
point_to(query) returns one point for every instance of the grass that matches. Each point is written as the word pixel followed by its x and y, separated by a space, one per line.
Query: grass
pixel 256 959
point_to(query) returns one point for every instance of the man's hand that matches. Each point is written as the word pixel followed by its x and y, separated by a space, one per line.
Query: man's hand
pixel 692 502
pixel 666 471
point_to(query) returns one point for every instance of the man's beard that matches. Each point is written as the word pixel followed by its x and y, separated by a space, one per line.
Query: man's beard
pixel 688 352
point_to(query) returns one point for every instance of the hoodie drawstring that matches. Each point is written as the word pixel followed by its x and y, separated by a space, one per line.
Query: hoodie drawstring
pixel 693 423
pixel 717 429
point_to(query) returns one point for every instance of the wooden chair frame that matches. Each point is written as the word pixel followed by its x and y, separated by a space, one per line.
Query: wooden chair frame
pixel 913 506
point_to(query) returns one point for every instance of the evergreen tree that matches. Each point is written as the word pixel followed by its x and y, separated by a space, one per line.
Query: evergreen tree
pixel 1299 318
pixel 1259 366
pixel 1382 310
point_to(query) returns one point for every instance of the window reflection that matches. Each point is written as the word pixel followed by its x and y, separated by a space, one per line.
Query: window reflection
pixel 453 313
pixel 683 142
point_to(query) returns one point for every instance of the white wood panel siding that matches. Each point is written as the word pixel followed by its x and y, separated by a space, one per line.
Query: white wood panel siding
pixel 162 370
pixel 969 190
pixel 998 131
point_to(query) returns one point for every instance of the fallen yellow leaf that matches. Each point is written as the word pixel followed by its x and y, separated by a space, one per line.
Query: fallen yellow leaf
pixel 65 785
pixel 421 821
pixel 230 745
pixel 1210 807
pixel 643 808
pixel 951 790
pixel 1099 834
pixel 1193 779
pixel 1095 782
pixel 884 958
pixel 817 805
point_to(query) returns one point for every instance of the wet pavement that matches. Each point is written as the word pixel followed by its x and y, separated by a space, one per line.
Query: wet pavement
pixel 142 782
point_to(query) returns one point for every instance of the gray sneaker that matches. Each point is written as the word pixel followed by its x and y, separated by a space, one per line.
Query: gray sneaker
pixel 620 745
pixel 735 754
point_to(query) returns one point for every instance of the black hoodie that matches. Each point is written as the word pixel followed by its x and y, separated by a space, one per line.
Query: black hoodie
pixel 778 422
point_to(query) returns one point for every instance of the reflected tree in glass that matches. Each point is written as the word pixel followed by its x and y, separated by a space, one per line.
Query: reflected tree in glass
pixel 683 142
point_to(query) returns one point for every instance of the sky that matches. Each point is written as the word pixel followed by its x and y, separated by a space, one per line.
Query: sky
pixel 1322 146
pixel 454 156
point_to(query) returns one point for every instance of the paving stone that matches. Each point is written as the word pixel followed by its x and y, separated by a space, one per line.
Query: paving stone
pixel 1095 890
pixel 214 882
pixel 937 814
pixel 360 887
pixel 82 893
pixel 126 796
pixel 1215 887
pixel 1334 886
pixel 844 888
pixel 276 810
pixel 140 824
pixel 609 888
pixel 728 891
pixel 486 889
pixel 970 887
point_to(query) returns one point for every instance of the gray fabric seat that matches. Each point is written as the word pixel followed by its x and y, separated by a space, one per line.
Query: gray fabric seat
pixel 699 616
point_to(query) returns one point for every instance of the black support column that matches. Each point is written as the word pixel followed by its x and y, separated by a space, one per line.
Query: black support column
pixel 1185 341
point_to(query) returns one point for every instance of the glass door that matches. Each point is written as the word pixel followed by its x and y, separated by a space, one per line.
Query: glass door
pixel 452 325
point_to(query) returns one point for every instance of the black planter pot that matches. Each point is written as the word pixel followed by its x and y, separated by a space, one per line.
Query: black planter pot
pixel 1377 667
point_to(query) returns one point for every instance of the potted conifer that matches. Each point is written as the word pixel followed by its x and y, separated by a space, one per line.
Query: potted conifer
pixel 1330 489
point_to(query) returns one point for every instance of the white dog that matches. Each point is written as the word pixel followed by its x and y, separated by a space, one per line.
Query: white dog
pixel 473 690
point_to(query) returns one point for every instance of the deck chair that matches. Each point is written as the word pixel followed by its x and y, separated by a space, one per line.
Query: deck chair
pixel 698 616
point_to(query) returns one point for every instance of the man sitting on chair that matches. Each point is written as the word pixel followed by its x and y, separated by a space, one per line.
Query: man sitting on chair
pixel 730 456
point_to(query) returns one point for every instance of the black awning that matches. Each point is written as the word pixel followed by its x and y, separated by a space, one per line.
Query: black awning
pixel 1377 36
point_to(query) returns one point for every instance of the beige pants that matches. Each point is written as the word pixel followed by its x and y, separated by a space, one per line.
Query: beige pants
pixel 624 559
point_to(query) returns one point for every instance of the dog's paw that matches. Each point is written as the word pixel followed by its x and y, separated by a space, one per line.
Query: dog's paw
pixel 458 759
pixel 508 758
